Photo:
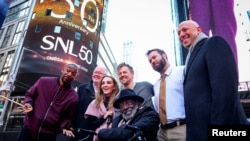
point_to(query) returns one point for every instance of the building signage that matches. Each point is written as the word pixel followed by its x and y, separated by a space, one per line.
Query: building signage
pixel 60 32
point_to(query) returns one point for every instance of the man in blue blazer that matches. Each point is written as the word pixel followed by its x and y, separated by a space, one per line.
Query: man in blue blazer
pixel 210 83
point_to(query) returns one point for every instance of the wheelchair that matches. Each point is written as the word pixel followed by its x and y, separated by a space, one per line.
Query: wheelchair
pixel 137 133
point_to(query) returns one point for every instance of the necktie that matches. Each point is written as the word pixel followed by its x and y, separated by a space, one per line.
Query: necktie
pixel 162 101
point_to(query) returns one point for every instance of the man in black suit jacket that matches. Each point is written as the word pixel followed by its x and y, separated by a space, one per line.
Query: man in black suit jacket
pixel 210 83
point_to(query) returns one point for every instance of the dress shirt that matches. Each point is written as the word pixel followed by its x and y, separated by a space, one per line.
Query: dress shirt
pixel 174 94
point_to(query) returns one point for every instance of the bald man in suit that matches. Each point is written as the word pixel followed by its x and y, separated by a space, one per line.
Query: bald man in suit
pixel 210 83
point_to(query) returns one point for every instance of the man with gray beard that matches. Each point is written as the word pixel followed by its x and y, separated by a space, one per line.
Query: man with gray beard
pixel 133 114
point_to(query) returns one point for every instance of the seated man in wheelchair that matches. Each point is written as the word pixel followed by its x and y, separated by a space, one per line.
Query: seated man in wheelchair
pixel 144 120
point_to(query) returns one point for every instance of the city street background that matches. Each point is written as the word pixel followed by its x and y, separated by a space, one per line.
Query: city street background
pixel 147 24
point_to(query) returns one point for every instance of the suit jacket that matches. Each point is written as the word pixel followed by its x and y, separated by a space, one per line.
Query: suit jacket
pixel 211 89
pixel 146 91
pixel 86 94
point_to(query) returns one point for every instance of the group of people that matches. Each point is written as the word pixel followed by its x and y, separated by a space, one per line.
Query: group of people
pixel 94 107
pixel 201 93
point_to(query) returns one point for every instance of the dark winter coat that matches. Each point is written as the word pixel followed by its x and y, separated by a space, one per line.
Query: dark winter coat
pixel 146 119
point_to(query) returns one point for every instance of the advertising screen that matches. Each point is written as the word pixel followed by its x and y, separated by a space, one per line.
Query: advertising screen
pixel 60 32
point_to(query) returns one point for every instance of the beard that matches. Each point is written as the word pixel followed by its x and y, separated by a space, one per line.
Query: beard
pixel 161 65
pixel 129 113
pixel 66 80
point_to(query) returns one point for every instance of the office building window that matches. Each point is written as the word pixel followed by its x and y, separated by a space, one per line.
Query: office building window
pixel 91 44
pixel 69 15
pixel 18 33
pixel 2 77
pixel 57 29
pixel 7 36
pixel 1 33
pixel 1 57
pixel 38 28
pixel 18 11
pixel 78 35
pixel 77 3
pixel 7 65
pixel 48 12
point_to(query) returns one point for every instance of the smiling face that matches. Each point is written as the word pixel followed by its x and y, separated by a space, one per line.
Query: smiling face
pixel 126 76
pixel 188 32
pixel 128 108
pixel 98 74
pixel 107 86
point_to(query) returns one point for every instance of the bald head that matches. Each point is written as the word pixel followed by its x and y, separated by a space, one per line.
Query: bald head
pixel 190 23
pixel 188 32
pixel 73 66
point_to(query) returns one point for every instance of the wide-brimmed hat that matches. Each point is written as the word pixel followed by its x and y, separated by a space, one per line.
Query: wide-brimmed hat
pixel 127 94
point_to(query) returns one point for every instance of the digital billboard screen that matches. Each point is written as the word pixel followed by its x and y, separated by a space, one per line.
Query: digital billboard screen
pixel 60 32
